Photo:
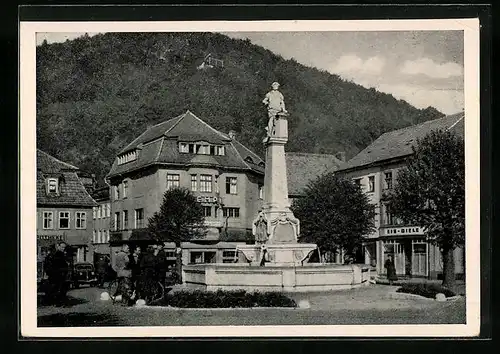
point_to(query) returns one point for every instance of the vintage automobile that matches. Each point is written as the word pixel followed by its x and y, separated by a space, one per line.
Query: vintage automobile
pixel 83 273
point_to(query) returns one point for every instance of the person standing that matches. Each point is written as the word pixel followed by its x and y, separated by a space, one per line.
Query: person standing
pixel 101 269
pixel 123 272
pixel 147 273
pixel 134 265
pixel 57 271
pixel 391 269
pixel 161 264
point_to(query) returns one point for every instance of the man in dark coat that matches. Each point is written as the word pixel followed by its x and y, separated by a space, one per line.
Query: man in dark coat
pixel 161 263
pixel 391 270
pixel 101 269
pixel 147 277
pixel 57 271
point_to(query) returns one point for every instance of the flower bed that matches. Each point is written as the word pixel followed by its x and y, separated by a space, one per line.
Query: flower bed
pixel 425 290
pixel 225 299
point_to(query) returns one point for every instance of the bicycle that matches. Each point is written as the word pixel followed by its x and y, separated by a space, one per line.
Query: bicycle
pixel 158 292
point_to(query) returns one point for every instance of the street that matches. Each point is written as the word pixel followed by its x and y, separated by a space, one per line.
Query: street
pixel 361 306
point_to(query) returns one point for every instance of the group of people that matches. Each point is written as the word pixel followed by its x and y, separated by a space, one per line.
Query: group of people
pixel 139 272
pixel 56 267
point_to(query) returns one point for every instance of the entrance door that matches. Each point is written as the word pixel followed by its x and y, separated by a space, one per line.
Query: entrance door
pixel 419 258
pixel 396 249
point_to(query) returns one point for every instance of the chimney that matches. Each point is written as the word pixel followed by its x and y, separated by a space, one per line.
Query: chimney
pixel 232 134
pixel 340 155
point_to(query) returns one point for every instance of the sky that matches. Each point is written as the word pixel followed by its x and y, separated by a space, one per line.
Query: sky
pixel 425 68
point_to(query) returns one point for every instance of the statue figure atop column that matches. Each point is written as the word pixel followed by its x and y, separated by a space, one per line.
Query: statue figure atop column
pixel 275 103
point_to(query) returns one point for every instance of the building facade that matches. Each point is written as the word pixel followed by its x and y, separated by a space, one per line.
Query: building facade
pixel 225 176
pixel 101 215
pixel 375 169
pixel 64 209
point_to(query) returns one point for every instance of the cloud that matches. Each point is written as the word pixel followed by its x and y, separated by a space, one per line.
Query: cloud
pixel 432 69
pixel 446 101
pixel 353 66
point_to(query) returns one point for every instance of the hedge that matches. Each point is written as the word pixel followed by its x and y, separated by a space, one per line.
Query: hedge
pixel 225 299
pixel 426 290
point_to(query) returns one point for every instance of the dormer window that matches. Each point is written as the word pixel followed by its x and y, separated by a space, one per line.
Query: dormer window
pixel 127 157
pixel 201 148
pixel 52 185
pixel 249 159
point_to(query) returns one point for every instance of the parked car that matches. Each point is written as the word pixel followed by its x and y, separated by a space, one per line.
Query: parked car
pixel 83 273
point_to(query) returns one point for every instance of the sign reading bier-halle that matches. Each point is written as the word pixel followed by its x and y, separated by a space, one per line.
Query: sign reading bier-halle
pixel 208 199
pixel 405 230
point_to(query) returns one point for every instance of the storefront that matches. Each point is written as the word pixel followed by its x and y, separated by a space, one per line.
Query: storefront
pixel 408 248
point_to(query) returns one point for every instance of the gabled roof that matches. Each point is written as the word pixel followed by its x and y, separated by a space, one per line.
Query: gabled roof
pixel 158 145
pixel 71 190
pixel 303 168
pixel 49 164
pixel 398 143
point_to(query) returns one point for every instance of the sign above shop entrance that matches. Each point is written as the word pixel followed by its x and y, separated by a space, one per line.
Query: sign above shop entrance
pixel 404 230
pixel 208 199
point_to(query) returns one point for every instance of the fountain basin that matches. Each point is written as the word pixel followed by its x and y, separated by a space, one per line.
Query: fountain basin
pixel 275 277
pixel 283 253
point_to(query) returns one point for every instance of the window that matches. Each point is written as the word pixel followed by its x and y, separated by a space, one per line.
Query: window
pixel 220 150
pixel 191 148
pixel 52 185
pixel 371 184
pixel 231 185
pixel 261 192
pixel 388 216
pixel 207 211
pixel 94 212
pixel 231 212
pixel 108 209
pixel 127 157
pixel 173 181
pixel 99 212
pixel 202 257
pixel 125 219
pixel 194 183
pixel 117 192
pixel 228 256
pixel 48 220
pixel 183 147
pixel 125 189
pixel 357 181
pixel 93 236
pixel 139 218
pixel 81 220
pixel 206 183
pixel 388 180
pixel 99 232
pixel 64 219
pixel 117 221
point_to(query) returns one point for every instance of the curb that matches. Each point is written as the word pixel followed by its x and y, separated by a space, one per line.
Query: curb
pixel 169 308
pixel 406 296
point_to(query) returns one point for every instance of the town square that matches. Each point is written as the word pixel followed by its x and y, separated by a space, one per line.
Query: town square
pixel 232 178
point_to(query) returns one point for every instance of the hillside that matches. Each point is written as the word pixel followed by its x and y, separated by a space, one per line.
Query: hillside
pixel 94 95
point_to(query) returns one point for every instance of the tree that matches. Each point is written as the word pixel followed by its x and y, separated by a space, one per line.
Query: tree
pixel 179 219
pixel 334 213
pixel 430 192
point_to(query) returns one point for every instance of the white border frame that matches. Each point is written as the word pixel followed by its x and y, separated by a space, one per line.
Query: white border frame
pixel 28 179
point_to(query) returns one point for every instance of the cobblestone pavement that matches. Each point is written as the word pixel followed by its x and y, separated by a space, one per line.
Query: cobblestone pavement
pixel 365 305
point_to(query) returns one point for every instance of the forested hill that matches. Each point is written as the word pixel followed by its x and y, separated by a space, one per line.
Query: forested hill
pixel 95 94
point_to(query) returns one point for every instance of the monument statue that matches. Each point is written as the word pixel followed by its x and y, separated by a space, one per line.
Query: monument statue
pixel 275 103
pixel 260 229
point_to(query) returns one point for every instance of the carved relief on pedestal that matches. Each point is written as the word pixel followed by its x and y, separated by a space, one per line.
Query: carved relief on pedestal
pixel 284 229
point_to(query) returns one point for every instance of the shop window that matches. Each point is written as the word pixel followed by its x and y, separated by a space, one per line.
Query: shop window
pixel 207 211
pixel 198 257
pixel 231 212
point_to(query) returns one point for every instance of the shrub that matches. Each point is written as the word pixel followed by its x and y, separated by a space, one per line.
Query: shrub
pixel 225 299
pixel 426 290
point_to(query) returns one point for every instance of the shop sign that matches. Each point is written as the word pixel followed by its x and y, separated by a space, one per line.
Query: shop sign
pixel 411 230
pixel 208 199
pixel 50 237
